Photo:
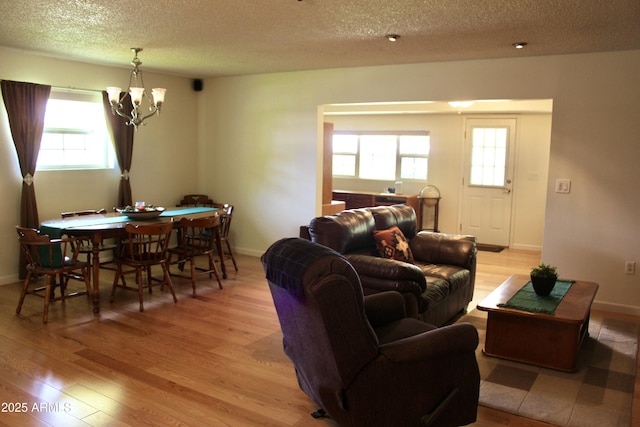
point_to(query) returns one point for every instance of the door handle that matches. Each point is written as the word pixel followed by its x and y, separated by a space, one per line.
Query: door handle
pixel 506 190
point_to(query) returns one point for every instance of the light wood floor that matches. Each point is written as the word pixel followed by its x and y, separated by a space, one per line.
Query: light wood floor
pixel 215 360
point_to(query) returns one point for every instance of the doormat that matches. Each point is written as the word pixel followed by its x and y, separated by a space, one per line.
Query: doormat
pixel 489 248
pixel 599 393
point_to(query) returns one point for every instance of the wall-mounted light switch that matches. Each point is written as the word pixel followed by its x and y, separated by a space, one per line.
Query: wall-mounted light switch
pixel 630 267
pixel 563 186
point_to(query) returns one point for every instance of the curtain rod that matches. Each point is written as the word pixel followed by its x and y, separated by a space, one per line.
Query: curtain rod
pixel 78 89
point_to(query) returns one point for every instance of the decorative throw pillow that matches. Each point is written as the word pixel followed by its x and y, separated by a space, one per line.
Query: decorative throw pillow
pixel 392 244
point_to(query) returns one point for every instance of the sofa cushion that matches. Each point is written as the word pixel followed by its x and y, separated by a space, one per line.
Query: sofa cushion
pixel 455 277
pixel 402 216
pixel 436 248
pixel 349 231
pixel 392 244
pixel 437 290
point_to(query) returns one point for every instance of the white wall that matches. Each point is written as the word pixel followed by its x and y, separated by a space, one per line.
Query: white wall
pixel 261 136
pixel 530 188
pixel 164 158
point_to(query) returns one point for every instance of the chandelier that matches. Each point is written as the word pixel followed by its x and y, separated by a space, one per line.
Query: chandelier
pixel 137 92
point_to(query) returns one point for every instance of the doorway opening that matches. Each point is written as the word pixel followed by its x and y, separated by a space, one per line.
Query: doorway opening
pixel 448 164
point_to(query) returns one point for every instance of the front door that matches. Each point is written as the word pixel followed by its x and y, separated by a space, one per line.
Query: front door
pixel 488 179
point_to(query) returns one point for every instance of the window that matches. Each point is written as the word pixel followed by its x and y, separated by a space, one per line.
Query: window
pixel 345 151
pixel 386 156
pixel 75 133
pixel 488 156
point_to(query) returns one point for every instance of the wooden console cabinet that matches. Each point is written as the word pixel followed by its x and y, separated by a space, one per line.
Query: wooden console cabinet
pixel 354 200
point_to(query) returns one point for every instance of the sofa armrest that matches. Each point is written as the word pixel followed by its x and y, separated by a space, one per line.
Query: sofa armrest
pixel 435 344
pixel 384 307
pixel 384 274
pixel 449 249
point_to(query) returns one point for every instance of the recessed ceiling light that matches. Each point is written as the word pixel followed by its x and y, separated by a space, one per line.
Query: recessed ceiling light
pixel 392 37
pixel 519 45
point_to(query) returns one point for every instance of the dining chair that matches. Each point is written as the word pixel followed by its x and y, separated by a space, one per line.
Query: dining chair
pixel 56 260
pixel 86 247
pixel 146 247
pixel 197 237
pixel 196 200
pixel 225 213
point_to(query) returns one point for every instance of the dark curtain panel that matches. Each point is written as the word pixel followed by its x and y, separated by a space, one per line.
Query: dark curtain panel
pixel 26 104
pixel 122 137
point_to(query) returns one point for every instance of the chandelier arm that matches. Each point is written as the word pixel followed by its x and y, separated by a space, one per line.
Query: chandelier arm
pixel 119 110
pixel 154 111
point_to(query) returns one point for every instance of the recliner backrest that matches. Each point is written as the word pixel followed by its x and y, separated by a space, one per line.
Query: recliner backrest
pixel 319 302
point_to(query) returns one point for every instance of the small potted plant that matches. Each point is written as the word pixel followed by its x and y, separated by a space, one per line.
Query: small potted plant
pixel 543 278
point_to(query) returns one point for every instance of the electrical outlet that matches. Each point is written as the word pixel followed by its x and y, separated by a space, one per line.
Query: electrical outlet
pixel 630 267
pixel 563 186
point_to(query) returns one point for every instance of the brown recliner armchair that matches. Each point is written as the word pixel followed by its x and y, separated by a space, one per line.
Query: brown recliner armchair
pixel 364 362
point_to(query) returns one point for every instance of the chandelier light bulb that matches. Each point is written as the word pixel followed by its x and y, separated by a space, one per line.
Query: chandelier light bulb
pixel 114 94
pixel 158 95
pixel 136 95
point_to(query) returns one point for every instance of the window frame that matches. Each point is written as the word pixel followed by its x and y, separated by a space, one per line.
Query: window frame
pixel 489 152
pixel 398 154
pixel 106 148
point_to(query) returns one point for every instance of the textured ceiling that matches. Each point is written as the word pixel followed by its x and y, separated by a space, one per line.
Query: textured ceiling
pixel 204 38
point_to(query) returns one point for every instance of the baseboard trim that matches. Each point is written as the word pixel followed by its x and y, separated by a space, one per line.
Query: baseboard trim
pixel 249 252
pixel 616 308
pixel 9 280
pixel 524 247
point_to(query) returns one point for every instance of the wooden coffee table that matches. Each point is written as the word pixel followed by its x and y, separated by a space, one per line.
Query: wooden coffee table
pixel 548 340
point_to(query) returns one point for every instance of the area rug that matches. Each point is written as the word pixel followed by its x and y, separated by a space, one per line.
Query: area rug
pixel 598 394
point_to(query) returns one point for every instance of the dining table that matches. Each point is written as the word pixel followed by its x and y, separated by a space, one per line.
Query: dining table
pixel 99 227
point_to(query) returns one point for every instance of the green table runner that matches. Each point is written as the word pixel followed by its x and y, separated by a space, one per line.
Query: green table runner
pixel 187 211
pixel 526 298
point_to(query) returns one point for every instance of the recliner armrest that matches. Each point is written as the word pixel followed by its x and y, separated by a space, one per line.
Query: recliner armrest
pixel 384 307
pixel 439 248
pixel 389 274
pixel 434 344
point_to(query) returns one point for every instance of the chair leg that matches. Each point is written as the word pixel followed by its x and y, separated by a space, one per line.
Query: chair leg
pixel 63 287
pixel 179 262
pixel 25 287
pixel 87 280
pixel 192 263
pixel 231 255
pixel 212 267
pixel 47 299
pixel 167 279
pixel 89 268
pixel 140 287
pixel 115 282
pixel 149 280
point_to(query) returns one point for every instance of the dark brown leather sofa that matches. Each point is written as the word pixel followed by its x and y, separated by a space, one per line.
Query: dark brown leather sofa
pixel 360 358
pixel 437 286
